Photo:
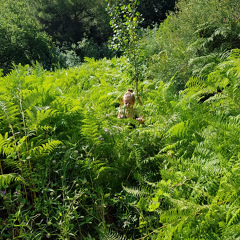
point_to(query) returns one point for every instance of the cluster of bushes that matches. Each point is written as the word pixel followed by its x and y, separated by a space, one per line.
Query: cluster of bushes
pixel 61 33
pixel 69 169
pixel 192 41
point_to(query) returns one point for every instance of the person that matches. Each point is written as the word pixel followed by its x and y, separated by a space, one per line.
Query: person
pixel 127 111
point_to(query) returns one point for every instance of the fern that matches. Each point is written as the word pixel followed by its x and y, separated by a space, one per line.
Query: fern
pixel 180 129
pixel 197 190
pixel 6 144
pixel 45 148
pixel 38 116
pixel 10 111
pixel 90 129
pixel 137 192
pixel 7 179
pixel 111 235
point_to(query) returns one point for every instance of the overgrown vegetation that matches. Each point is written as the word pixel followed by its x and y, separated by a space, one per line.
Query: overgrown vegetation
pixel 61 33
pixel 69 169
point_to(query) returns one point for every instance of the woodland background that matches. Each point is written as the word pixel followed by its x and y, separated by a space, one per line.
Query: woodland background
pixel 69 169
pixel 61 33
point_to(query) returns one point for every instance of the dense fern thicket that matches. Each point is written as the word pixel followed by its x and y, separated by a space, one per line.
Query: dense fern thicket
pixel 68 165
pixel 62 33
pixel 69 169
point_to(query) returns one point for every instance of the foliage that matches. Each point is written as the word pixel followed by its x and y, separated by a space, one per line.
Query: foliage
pixel 50 125
pixel 197 195
pixel 68 21
pixel 125 20
pixel 72 21
pixel 193 40
pixel 154 11
pixel 69 169
pixel 57 33
pixel 21 39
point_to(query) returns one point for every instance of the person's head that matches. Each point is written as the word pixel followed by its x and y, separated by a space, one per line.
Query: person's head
pixel 129 98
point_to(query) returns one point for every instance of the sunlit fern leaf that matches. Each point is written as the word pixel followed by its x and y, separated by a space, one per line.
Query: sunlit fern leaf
pixel 235 216
pixel 196 82
pixel 10 111
pixel 180 129
pixel 218 100
pixel 6 145
pixel 140 192
pixel 39 95
pixel 231 232
pixel 180 212
pixel 90 128
pixel 110 235
pixel 39 115
pixel 48 147
pixel 173 146
pixel 235 54
pixel 204 64
pixel 207 68
pixel 7 179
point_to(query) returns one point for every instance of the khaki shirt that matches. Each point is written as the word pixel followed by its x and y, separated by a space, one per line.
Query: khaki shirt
pixel 127 112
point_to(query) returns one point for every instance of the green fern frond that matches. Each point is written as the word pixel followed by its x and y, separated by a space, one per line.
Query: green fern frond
pixel 196 82
pixel 231 233
pixel 6 145
pixel 7 179
pixel 204 64
pixel 48 147
pixel 101 169
pixel 180 130
pixel 90 129
pixel 38 115
pixel 217 100
pixel 10 111
pixel 12 163
pixel 235 54
pixel 111 235
pixel 173 146
pixel 143 179
pixel 140 192
pixel 233 214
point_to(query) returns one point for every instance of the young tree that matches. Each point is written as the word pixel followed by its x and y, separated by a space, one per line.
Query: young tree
pixel 125 20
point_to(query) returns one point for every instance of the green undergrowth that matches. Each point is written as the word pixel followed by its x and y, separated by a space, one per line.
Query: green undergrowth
pixel 64 153
pixel 192 40
pixel 71 170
